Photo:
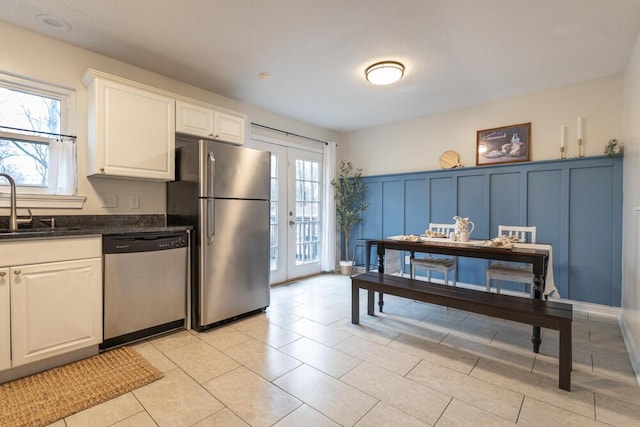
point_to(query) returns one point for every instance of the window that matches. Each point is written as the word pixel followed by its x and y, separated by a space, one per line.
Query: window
pixel 273 205
pixel 307 211
pixel 33 116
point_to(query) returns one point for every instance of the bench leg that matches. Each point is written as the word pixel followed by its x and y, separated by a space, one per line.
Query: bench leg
pixel 380 301
pixel 371 302
pixel 355 304
pixel 564 374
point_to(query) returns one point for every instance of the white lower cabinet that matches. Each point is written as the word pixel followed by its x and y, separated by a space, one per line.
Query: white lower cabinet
pixel 55 308
pixel 5 320
pixel 49 308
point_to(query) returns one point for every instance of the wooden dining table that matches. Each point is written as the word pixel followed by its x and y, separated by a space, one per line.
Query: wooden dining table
pixel 537 257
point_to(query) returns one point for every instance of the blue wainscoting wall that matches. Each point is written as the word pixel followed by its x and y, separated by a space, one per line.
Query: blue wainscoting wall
pixel 576 205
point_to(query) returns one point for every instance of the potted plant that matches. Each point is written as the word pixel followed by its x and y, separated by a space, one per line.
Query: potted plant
pixel 613 148
pixel 349 195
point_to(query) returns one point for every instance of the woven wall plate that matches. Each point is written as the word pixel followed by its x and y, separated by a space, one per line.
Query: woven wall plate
pixel 449 159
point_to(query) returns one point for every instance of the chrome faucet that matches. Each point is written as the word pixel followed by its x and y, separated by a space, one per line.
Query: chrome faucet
pixel 13 216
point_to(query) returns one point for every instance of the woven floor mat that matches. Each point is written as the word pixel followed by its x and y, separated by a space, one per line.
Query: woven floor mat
pixel 40 399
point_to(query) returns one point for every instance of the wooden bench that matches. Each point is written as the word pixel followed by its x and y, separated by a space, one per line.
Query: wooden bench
pixel 546 314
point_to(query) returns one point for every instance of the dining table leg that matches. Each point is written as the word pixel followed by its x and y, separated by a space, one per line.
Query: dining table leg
pixel 538 286
pixel 380 249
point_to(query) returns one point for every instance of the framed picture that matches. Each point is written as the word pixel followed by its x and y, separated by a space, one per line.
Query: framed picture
pixel 507 144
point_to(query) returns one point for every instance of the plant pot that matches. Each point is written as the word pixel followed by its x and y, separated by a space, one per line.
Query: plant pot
pixel 346 267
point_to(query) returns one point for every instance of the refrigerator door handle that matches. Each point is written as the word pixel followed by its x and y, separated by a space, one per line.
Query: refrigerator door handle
pixel 211 204
pixel 211 220
pixel 211 174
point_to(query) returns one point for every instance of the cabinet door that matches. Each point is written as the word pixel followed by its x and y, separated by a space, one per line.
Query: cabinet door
pixel 5 320
pixel 194 119
pixel 229 128
pixel 133 132
pixel 55 308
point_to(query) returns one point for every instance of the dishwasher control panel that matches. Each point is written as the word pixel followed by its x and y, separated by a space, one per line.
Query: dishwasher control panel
pixel 143 242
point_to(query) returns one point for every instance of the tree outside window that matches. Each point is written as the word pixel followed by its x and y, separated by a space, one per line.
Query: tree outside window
pixel 24 155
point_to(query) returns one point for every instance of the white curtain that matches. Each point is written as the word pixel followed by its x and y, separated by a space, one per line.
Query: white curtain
pixel 63 179
pixel 328 257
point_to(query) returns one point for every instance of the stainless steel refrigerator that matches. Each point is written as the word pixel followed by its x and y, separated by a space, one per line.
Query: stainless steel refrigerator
pixel 223 191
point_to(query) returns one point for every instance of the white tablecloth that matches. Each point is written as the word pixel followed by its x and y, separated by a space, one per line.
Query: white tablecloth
pixel 550 289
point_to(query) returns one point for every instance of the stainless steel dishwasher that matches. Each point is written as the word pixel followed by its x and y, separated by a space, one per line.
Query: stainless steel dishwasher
pixel 145 285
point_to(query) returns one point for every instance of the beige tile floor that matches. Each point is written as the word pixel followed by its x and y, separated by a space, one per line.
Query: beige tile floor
pixel 302 363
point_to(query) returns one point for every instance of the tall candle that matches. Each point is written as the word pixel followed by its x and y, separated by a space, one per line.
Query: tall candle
pixel 563 136
pixel 580 126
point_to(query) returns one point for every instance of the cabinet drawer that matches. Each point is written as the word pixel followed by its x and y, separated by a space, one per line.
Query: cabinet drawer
pixel 36 251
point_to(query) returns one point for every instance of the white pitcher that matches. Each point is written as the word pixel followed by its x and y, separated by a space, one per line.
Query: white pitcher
pixel 464 228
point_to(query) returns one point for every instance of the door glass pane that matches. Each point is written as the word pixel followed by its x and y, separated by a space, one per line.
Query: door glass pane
pixel 273 221
pixel 307 211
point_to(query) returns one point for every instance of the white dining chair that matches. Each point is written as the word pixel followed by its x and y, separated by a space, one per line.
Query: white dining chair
pixel 512 272
pixel 441 265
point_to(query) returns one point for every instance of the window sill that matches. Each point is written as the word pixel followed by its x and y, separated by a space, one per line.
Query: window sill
pixel 44 201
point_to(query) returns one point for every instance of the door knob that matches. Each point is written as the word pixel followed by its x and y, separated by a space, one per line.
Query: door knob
pixel 292 223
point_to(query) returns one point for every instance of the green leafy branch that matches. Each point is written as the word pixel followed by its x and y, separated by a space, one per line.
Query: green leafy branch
pixel 350 192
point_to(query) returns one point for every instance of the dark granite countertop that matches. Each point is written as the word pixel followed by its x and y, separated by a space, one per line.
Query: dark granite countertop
pixel 31 233
pixel 87 225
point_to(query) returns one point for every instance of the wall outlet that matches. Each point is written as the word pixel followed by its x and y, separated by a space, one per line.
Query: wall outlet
pixel 407 259
pixel 109 201
pixel 134 202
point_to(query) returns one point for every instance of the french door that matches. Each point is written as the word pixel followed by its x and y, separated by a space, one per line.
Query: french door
pixel 296 210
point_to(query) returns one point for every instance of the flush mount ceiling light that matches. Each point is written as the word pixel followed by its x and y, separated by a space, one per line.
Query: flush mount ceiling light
pixel 53 22
pixel 384 73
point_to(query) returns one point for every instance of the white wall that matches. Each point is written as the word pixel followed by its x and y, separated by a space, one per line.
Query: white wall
pixel 630 319
pixel 416 145
pixel 31 55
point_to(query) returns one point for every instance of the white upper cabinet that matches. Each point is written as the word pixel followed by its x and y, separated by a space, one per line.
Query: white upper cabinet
pixel 131 129
pixel 194 119
pixel 208 122
pixel 227 127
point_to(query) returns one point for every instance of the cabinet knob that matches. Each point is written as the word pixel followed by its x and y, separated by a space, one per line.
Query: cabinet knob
pixel 3 273
pixel 217 135
pixel 102 170
pixel 17 272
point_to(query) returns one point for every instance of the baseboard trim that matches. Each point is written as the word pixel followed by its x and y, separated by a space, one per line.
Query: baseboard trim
pixel 633 346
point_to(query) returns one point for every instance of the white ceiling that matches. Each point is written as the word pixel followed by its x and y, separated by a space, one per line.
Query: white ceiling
pixel 457 52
